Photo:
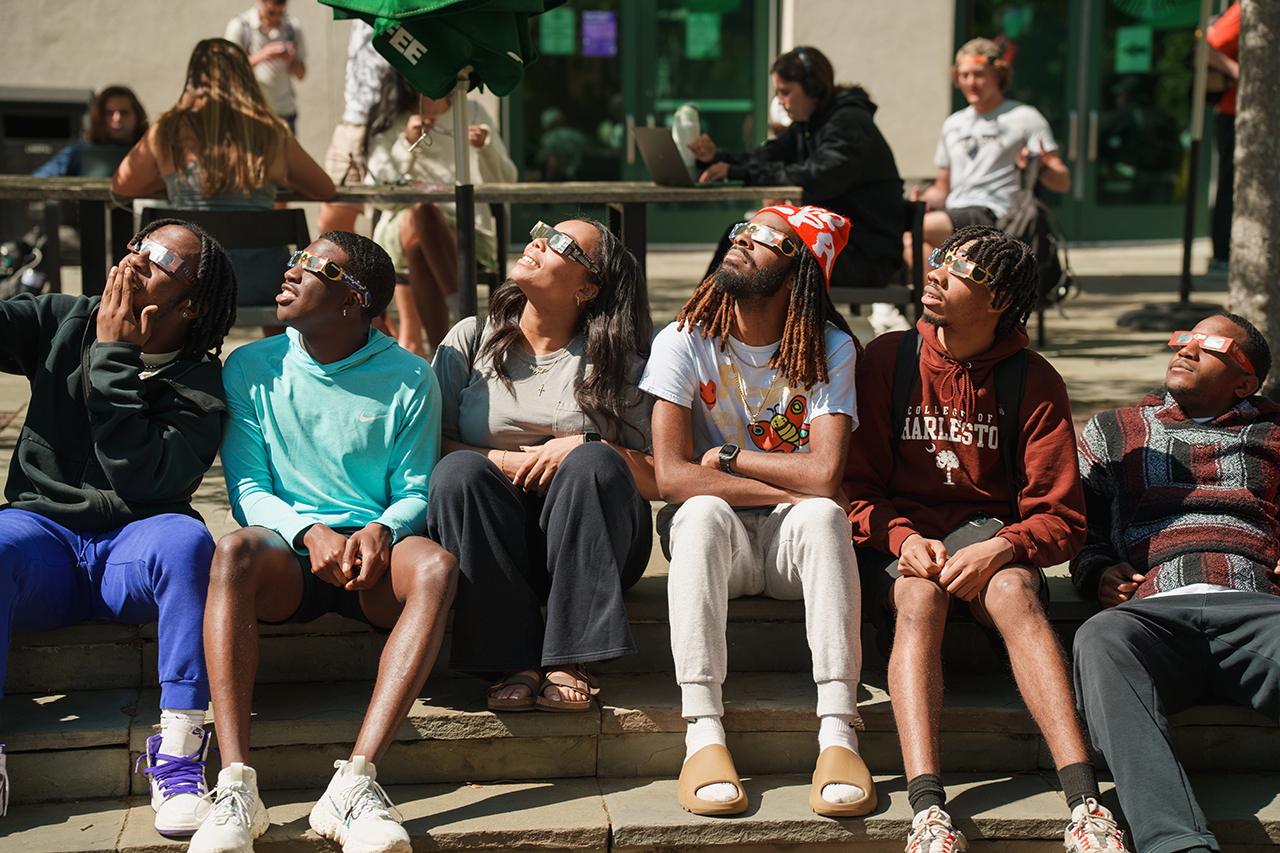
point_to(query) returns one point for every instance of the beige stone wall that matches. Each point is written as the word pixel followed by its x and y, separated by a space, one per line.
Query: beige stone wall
pixel 145 44
pixel 900 52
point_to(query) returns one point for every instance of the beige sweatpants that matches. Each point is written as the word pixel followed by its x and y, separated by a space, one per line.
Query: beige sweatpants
pixel 786 552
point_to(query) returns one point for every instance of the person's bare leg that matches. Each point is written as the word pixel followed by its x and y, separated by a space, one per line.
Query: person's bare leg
pixel 915 671
pixel 1010 604
pixel 255 575
pixel 936 229
pixel 410 328
pixel 337 217
pixel 439 246
pixel 414 595
pixel 432 312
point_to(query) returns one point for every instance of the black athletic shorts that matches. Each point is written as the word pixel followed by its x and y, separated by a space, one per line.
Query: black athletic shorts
pixel 320 597
pixel 962 217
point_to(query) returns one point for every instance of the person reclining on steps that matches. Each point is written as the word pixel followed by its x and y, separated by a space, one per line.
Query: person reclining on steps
pixel 1182 548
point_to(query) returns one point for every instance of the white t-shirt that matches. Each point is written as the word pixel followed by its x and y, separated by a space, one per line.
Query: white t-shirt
pixel 980 150
pixel 273 75
pixel 366 69
pixel 688 370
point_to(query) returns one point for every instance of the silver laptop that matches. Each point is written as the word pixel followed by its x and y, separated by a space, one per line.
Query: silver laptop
pixel 664 162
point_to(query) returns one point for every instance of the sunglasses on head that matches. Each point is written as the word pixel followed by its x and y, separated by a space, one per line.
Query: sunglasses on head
pixel 562 244
pixel 1214 343
pixel 163 257
pixel 960 266
pixel 331 271
pixel 766 235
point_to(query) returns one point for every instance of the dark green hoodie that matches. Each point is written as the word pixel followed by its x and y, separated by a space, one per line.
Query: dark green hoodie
pixel 102 446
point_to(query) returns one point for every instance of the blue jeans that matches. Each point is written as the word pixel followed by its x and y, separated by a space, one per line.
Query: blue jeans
pixel 152 570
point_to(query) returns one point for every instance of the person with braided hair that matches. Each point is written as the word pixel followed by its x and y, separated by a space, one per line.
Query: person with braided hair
pixel 956 508
pixel 754 404
pixel 125 418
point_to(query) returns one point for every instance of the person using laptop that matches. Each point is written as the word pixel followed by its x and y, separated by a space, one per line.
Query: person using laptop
pixel 835 153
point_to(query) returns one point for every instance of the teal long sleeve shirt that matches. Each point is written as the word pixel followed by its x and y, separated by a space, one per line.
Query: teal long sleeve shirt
pixel 342 444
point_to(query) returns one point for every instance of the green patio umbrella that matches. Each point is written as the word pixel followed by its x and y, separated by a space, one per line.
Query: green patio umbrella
pixel 452 46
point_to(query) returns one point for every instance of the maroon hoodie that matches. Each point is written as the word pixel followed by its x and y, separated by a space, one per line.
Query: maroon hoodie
pixel 947 464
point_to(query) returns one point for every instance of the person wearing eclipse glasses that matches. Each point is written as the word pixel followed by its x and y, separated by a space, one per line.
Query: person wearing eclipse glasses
pixel 544 487
pixel 755 403
pixel 957 509
pixel 125 418
pixel 1182 549
pixel 333 435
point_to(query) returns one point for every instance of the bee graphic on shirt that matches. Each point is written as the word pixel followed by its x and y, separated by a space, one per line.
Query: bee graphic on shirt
pixel 784 431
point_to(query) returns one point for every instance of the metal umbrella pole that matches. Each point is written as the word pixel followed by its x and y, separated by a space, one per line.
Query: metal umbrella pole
pixel 465 200
pixel 1184 313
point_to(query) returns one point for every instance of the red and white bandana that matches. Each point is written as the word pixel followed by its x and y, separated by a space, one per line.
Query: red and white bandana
pixel 824 232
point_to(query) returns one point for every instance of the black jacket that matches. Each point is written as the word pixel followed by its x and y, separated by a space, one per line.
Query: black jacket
pixel 99 452
pixel 842 163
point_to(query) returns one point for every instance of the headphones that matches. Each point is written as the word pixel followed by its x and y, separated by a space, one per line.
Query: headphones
pixel 812 85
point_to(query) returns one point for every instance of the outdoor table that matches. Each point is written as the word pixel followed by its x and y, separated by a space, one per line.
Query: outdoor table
pixel 625 200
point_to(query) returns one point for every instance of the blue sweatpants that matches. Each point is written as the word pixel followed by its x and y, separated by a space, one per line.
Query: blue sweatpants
pixel 153 570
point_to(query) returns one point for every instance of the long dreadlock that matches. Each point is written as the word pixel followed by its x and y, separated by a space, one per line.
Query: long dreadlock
pixel 215 287
pixel 802 354
pixel 1013 274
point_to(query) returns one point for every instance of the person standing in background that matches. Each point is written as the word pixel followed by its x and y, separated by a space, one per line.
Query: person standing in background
pixel 1224 55
pixel 276 51
pixel 344 162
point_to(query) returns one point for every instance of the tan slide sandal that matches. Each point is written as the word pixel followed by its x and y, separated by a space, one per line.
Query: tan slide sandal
pixel 708 766
pixel 840 766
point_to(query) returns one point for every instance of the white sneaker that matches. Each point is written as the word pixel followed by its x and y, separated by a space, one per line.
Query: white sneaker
pixel 237 817
pixel 932 832
pixel 1092 828
pixel 356 812
pixel 4 783
pixel 885 317
pixel 178 788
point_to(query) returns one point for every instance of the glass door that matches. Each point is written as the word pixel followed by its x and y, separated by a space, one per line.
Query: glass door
pixel 607 65
pixel 1113 78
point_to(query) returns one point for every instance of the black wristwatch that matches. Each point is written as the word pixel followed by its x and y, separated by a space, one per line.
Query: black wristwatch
pixel 728 453
pixel 590 436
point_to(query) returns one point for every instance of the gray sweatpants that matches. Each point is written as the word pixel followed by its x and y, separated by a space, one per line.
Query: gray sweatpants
pixel 1137 663
pixel 785 552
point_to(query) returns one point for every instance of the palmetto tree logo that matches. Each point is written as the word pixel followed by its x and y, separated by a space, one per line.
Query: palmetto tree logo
pixel 947 460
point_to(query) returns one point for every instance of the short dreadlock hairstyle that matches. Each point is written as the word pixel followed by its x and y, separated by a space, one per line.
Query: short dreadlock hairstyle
pixel 802 355
pixel 215 288
pixel 1255 345
pixel 371 265
pixel 1013 273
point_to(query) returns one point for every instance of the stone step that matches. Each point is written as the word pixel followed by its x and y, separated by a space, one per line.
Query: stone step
pixel 1022 813
pixel 763 635
pixel 84 744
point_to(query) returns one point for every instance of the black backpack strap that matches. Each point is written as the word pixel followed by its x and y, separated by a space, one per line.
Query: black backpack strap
pixel 906 372
pixel 1011 381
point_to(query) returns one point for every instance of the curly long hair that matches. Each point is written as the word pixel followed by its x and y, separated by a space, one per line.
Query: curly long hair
pixel 617 325
pixel 237 134
pixel 215 287
pixel 98 119
pixel 802 355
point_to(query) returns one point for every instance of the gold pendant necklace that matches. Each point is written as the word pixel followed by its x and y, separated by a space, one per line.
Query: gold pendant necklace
pixel 742 390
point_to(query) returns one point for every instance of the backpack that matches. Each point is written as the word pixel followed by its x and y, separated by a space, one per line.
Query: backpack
pixel 1030 220
pixel 1011 381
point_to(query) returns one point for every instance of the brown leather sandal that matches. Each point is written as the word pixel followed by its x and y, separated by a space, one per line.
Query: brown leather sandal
pixel 518 703
pixel 575 677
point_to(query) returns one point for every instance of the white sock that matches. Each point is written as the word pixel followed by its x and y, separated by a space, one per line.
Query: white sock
pixel 838 730
pixel 453 302
pixel 705 731
pixel 181 731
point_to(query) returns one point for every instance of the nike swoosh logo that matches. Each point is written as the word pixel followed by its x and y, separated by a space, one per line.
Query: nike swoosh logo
pixel 364 419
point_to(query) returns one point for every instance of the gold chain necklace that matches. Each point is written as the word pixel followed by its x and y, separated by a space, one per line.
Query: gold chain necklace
pixel 742 390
